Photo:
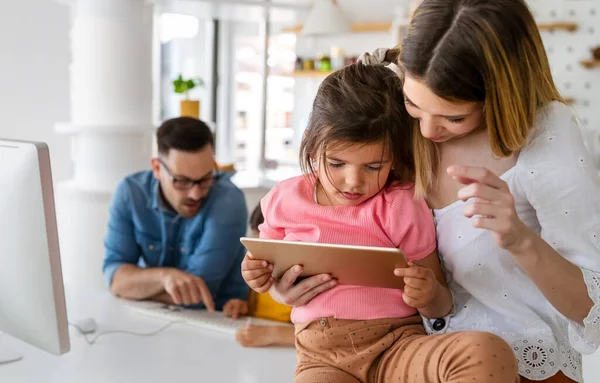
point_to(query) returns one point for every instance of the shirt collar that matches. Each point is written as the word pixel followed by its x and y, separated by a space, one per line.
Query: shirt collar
pixel 157 201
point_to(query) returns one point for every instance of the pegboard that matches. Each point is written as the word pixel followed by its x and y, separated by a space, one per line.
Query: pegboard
pixel 566 50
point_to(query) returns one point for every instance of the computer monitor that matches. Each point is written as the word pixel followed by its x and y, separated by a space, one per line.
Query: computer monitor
pixel 32 300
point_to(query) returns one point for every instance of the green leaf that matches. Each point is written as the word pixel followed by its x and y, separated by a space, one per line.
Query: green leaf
pixel 181 85
pixel 190 84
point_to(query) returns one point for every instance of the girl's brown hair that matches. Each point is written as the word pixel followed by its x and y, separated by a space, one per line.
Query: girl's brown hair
pixel 360 104
pixel 478 51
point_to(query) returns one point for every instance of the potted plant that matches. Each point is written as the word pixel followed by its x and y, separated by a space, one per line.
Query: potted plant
pixel 187 107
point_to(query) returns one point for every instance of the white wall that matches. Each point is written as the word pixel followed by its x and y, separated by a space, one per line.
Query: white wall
pixel 34 75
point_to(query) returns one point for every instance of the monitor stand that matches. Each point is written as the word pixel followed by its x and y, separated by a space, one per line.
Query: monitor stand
pixel 6 354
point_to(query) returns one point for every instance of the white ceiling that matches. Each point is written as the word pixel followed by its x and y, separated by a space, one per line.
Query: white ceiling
pixel 292 12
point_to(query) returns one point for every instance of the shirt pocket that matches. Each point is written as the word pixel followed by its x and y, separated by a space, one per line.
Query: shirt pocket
pixel 151 249
pixel 185 251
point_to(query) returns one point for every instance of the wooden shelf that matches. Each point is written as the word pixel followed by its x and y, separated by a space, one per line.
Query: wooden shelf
pixel 311 73
pixel 591 64
pixel 355 27
pixel 386 26
pixel 571 27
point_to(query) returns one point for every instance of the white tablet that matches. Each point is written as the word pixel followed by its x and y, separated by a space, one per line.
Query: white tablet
pixel 350 265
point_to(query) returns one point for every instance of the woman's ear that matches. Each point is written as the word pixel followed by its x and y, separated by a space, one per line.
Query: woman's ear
pixel 314 163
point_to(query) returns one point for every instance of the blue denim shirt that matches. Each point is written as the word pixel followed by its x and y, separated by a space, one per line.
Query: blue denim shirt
pixel 141 231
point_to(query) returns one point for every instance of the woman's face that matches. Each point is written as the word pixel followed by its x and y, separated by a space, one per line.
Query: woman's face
pixel 440 120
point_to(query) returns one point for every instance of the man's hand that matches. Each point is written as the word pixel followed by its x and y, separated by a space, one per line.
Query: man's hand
pixel 187 289
pixel 235 308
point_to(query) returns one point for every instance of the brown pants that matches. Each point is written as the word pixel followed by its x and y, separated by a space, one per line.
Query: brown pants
pixel 399 351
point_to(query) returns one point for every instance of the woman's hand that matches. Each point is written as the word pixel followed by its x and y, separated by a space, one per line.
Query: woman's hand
pixel 257 274
pixel 493 208
pixel 286 292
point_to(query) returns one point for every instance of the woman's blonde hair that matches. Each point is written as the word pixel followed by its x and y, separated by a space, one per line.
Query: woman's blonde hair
pixel 478 51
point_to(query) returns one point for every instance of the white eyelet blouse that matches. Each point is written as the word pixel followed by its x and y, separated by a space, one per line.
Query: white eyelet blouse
pixel 557 194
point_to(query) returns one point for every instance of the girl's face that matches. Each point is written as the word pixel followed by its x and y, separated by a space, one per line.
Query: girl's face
pixel 440 120
pixel 351 174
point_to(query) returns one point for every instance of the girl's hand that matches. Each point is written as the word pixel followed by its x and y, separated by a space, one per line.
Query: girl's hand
pixel 494 206
pixel 257 274
pixel 420 285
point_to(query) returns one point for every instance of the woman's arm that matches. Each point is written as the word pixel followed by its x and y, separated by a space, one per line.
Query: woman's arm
pixel 558 279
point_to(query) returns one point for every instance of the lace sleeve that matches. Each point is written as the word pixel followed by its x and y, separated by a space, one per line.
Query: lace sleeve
pixel 559 179
pixel 586 338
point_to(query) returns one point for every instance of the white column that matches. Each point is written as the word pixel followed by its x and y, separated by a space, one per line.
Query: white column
pixel 111 124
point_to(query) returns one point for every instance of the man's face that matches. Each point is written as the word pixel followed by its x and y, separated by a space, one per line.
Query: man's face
pixel 176 173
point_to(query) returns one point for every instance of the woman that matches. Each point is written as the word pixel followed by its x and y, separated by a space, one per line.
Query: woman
pixel 515 196
pixel 494 129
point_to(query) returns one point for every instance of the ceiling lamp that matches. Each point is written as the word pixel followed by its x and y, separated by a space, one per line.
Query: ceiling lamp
pixel 325 18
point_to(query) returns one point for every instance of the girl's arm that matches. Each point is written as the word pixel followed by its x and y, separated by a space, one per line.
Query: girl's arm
pixel 441 303
pixel 426 288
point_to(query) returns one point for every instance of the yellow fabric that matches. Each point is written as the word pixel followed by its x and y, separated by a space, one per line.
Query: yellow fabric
pixel 267 308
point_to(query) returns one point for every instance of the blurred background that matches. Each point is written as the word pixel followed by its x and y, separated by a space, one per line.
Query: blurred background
pixel 94 78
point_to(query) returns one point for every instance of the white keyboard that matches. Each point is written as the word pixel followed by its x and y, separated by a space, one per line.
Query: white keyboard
pixel 215 321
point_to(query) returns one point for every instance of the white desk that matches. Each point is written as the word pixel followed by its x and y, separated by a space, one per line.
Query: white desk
pixel 180 353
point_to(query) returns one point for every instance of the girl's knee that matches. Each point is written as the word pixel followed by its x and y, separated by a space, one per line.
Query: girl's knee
pixel 324 375
pixel 486 340
pixel 492 355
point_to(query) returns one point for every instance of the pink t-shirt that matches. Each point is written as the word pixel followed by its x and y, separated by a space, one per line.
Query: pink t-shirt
pixel 392 218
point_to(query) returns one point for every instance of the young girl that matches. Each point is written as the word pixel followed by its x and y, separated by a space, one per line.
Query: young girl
pixel 357 190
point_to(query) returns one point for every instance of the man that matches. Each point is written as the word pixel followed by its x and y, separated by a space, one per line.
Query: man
pixel 174 232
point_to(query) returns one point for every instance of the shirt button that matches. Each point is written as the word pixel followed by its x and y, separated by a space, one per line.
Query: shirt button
pixel 439 324
pixel 323 322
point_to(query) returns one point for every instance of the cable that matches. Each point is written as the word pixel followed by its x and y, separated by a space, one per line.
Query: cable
pixel 16 358
pixel 100 334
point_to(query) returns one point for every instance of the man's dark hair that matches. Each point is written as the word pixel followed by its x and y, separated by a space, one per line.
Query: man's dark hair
pixel 183 133
pixel 256 218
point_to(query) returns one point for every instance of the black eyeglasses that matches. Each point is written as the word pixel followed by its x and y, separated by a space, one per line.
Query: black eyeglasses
pixel 184 183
